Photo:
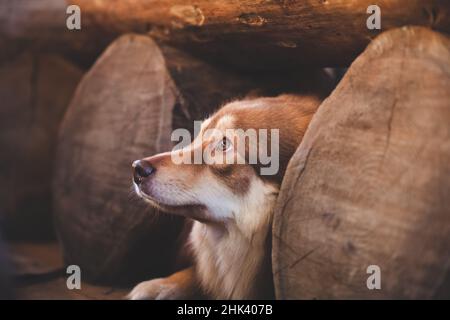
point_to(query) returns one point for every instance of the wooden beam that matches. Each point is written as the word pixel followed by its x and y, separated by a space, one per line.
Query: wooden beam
pixel 252 34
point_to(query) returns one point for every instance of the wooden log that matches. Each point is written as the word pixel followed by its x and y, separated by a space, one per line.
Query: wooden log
pixel 121 111
pixel 124 109
pixel 30 113
pixel 250 34
pixel 369 184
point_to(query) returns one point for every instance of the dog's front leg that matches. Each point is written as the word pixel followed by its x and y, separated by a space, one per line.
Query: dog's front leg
pixel 180 285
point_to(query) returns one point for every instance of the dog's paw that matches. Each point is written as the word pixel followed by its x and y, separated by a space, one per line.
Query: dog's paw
pixel 156 289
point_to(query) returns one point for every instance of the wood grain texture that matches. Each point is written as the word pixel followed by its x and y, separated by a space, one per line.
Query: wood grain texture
pixel 369 185
pixel 121 111
pixel 252 34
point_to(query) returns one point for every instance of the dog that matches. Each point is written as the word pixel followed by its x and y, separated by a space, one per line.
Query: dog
pixel 231 204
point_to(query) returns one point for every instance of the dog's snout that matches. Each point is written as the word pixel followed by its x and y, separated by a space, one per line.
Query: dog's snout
pixel 142 169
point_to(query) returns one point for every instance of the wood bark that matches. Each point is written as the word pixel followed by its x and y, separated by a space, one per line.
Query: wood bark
pixel 250 34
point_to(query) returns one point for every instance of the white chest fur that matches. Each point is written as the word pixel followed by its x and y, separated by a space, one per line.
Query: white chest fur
pixel 230 255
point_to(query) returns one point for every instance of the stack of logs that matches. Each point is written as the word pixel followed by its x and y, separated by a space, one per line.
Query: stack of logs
pixel 368 186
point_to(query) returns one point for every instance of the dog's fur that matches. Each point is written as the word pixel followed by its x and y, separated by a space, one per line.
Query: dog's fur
pixel 232 204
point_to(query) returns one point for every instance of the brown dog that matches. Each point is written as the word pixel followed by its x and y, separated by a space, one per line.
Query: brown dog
pixel 231 201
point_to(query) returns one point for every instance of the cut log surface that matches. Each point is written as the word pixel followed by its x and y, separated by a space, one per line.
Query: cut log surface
pixel 250 34
pixel 369 185
pixel 30 113
pixel 121 111
pixel 124 109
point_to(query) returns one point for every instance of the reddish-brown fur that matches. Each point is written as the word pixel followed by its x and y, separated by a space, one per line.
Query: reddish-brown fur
pixel 231 203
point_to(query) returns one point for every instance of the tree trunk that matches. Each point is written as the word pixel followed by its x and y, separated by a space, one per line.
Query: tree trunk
pixel 249 34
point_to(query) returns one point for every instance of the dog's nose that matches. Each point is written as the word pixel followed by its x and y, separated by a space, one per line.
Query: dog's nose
pixel 142 169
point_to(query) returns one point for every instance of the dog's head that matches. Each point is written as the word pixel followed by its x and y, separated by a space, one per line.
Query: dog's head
pixel 237 159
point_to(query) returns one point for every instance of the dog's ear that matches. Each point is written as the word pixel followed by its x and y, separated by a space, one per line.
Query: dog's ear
pixel 285 152
pixel 292 122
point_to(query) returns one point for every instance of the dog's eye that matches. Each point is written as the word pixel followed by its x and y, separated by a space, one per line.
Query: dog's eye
pixel 224 144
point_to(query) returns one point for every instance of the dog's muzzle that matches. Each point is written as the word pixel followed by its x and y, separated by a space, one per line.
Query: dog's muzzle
pixel 141 170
